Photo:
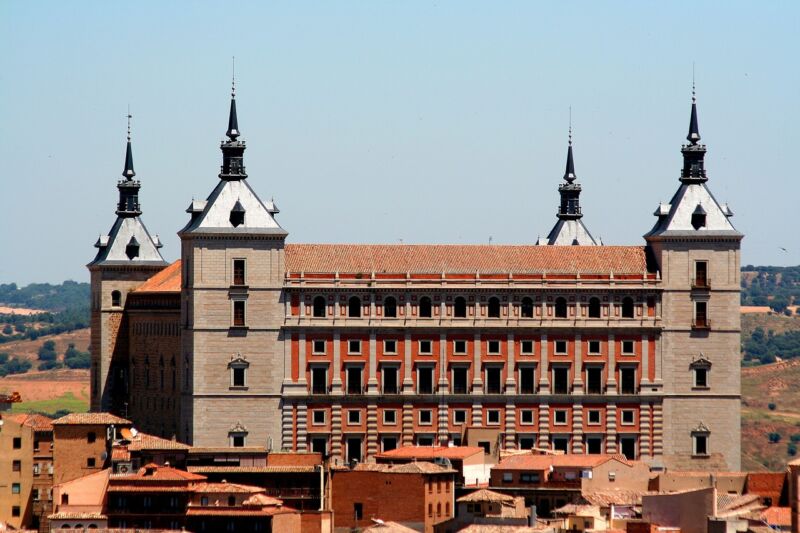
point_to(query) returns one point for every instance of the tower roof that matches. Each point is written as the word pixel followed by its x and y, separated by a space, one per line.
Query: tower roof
pixel 128 172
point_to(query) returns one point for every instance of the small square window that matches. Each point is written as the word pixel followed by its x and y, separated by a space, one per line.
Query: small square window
pixel 593 416
pixel 508 477
pixel 390 417
pixel 701 378
pixel 493 347
pixel 425 347
pixel 493 417
pixel 390 346
pixel 15 510
pixel 594 347
pixel 560 417
pixel 460 347
pixel 628 417
pixel 90 462
pixel 426 417
pixel 15 488
pixel 354 347
pixel 526 416
pixel 16 465
pixel 318 417
pixel 424 440
pixel 526 347
pixel 318 347
pixel 560 348
pixel 627 348
pixel 237 441
pixel 354 416
pixel 460 416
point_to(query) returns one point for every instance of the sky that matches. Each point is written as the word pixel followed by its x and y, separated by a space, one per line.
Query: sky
pixel 381 122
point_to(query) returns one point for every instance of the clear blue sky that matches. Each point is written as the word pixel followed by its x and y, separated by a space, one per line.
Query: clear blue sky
pixel 379 121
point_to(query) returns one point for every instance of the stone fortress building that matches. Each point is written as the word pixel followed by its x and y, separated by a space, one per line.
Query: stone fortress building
pixel 354 349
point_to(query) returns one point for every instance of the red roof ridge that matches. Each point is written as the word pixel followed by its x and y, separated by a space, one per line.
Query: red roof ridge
pixel 166 280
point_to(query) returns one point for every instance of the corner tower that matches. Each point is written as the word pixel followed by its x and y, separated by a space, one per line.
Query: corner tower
pixel 696 249
pixel 232 253
pixel 569 230
pixel 126 257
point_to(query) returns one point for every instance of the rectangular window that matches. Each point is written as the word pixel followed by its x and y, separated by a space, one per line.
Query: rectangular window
pixel 17 443
pixel 238 272
pixel 238 377
pixel 700 444
pixel 627 380
pixel 15 488
pixel 494 383
pixel 358 511
pixel 15 510
pixel 701 315
pixel 319 445
pixel 460 416
pixel 493 417
pixel 561 444
pixel 460 378
pixel 239 313
pixel 390 346
pixel 594 347
pixel 319 380
pixel 388 444
pixel 353 417
pixel 628 348
pixel 526 416
pixel 90 462
pixel 701 274
pixel 389 380
pixel 237 441
pixel 425 347
pixel 527 380
pixel 701 378
pixel 594 417
pixel 459 347
pixel 560 380
pixel 508 477
pixel 354 347
pixel 560 348
pixel 594 380
pixel 318 347
pixel 493 347
pixel 628 417
pixel 527 443
pixel 425 380
pixel 16 465
pixel 426 417
pixel 354 380
pixel 318 417
pixel 390 417
pixel 594 445
pixel 560 417
pixel 424 440
pixel 526 347
pixel 627 446
pixel 91 437
pixel 529 477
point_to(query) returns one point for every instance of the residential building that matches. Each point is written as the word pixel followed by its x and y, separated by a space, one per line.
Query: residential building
pixel 352 350
pixel 468 461
pixel 487 507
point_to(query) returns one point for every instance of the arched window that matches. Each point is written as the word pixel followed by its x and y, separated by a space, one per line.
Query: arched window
pixel 425 307
pixel 627 307
pixel 594 307
pixel 460 307
pixel 494 307
pixel 354 307
pixel 390 307
pixel 526 309
pixel 116 298
pixel 319 307
pixel 561 307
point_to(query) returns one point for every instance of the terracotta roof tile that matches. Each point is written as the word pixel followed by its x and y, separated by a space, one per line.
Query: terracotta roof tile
pixel 91 419
pixel 463 259
pixel 154 473
pixel 226 488
pixel 77 516
pixel 777 516
pixel 211 469
pixel 430 452
pixel 485 495
pixel 167 280
pixel 544 462
pixel 604 498
pixel 145 441
pixel 35 421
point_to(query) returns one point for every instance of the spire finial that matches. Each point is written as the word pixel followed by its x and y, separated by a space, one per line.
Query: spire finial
pixel 233 121
pixel 233 77
pixel 569 173
pixel 128 171
pixel 694 131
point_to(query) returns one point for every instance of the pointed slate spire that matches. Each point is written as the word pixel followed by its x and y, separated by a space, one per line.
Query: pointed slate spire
pixel 694 131
pixel 128 170
pixel 569 173
pixel 233 121
pixel 233 148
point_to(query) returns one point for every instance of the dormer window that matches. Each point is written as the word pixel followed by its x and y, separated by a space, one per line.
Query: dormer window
pixel 237 215
pixel 132 249
pixel 699 217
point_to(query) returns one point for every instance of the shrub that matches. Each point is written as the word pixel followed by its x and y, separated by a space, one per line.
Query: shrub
pixel 771 406
pixel 7 329
pixel 15 366
pixel 791 449
pixel 76 359
pixel 3 358
pixel 47 352
pixel 774 437
pixel 49 365
pixel 20 328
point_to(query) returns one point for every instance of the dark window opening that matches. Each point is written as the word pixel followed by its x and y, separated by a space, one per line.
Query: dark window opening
pixel 90 462
pixel 390 307
pixel 701 445
pixel 425 307
pixel 627 307
pixel 424 440
pixel 487 447
pixel 526 347
pixel 526 309
pixel 698 220
pixel 238 313
pixel 319 445
pixel 527 443
pixel 594 347
pixel 701 377
pixel 318 346
pixel 354 347
pixel 116 298
pixel 628 447
pixel 353 450
pixel 561 307
pixel 319 307
pixel 494 307
pixel 390 346
pixel 91 437
pixel 425 380
pixel 460 378
pixel 354 380
pixel 701 274
pixel 425 347
pixel 132 248
pixel 561 380
pixel 628 381
pixel 494 380
pixel 389 380
pixel 527 381
pixel 594 307
pixel 237 215
pixel 594 380
pixel 238 272
pixel 231 501
pixel 701 314
pixel 389 443
pixel 460 307
pixel 459 347
pixel 358 511
pixel 238 377
pixel 319 381
pixel 594 445
pixel 354 307
pixel 237 441
pixel 561 444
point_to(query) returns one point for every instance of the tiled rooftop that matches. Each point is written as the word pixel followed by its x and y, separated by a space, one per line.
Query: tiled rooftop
pixel 431 452
pixel 544 462
pixel 226 488
pixel 485 495
pixel 145 441
pixel 288 469
pixel 91 419
pixel 35 421
pixel 168 280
